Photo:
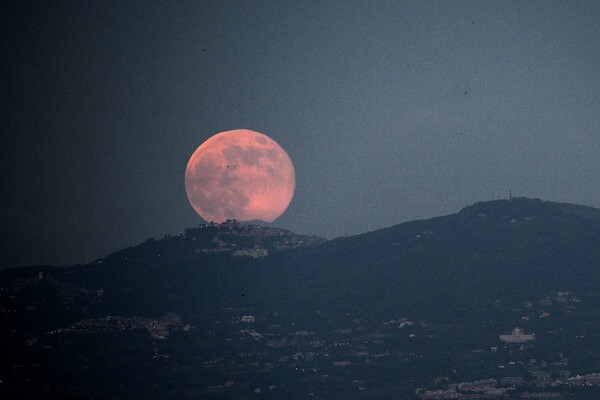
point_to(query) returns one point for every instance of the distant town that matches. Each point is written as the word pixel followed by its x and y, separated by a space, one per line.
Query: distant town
pixel 271 345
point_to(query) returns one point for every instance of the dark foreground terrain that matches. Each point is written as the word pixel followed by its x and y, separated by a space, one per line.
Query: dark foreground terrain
pixel 236 311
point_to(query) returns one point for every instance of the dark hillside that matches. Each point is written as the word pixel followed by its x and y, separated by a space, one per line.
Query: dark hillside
pixel 246 311
pixel 504 249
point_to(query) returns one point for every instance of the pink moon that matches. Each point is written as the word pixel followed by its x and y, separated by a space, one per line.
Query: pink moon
pixel 240 174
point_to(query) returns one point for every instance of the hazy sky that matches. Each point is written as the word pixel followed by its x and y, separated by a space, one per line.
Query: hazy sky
pixel 390 111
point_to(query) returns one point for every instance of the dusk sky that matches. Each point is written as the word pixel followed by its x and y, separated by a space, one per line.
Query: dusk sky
pixel 390 111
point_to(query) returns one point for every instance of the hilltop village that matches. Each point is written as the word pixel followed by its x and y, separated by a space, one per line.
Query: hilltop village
pixel 247 239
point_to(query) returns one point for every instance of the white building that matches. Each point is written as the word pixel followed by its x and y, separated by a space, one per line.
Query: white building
pixel 517 336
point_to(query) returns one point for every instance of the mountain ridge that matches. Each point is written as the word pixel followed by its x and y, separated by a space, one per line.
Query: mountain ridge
pixel 411 244
pixel 491 207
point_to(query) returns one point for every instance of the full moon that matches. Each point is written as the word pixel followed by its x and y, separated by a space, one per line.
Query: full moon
pixel 240 174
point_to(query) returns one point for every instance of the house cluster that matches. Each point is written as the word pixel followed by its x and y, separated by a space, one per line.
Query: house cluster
pixel 255 252
pixel 482 389
pixel 157 328
pixel 506 388
pixel 262 239
pixel 517 336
